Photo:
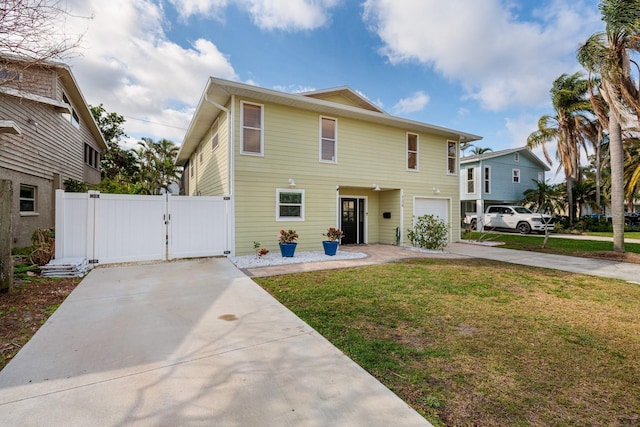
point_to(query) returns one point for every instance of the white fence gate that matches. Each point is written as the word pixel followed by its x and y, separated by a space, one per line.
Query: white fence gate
pixel 111 228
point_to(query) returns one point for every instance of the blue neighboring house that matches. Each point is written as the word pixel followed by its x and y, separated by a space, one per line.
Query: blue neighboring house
pixel 498 177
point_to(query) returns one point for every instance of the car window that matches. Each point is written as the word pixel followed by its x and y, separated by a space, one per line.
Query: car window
pixel 522 210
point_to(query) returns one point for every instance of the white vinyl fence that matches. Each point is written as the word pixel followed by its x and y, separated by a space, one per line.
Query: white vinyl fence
pixel 112 228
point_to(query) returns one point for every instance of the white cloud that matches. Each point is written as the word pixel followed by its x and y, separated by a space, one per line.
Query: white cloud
pixel 128 64
pixel 499 60
pixel 288 15
pixel 415 102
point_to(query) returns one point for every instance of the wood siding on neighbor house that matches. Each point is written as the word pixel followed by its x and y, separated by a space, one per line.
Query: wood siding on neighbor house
pixel 49 150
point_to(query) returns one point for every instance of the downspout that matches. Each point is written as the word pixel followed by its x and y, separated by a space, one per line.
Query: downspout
pixel 230 136
pixel 231 239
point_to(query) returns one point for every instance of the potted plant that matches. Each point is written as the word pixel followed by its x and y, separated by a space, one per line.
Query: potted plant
pixel 288 243
pixel 333 240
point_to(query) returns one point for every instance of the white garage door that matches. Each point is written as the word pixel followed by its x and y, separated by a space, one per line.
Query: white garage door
pixel 432 206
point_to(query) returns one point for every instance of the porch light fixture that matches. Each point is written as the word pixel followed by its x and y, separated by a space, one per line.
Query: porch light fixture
pixel 376 187
pixel 292 183
pixel 436 190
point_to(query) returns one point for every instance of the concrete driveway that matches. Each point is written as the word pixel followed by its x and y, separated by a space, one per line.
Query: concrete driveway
pixel 181 344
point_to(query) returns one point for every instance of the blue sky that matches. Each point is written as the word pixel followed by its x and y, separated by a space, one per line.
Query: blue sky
pixel 480 66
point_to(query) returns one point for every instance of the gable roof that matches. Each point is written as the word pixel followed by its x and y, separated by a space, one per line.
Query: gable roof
pixel 493 154
pixel 72 90
pixel 346 92
pixel 218 92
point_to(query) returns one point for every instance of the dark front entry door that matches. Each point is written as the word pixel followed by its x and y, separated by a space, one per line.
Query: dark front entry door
pixel 352 213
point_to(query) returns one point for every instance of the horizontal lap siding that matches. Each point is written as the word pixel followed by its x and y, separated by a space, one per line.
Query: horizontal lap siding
pixel 213 171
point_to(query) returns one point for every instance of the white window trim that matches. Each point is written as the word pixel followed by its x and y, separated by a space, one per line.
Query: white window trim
pixel 215 134
pixel 472 180
pixel 513 176
pixel 34 212
pixel 417 168
pixel 251 153
pixel 457 166
pixel 335 141
pixel 486 181
pixel 289 218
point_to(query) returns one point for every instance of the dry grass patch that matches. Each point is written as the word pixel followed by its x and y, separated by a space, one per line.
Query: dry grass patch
pixel 483 343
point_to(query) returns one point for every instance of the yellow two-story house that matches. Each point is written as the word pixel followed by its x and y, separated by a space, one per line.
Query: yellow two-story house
pixel 310 161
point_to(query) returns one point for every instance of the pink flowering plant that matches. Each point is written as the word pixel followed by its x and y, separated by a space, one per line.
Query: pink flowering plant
pixel 333 234
pixel 289 236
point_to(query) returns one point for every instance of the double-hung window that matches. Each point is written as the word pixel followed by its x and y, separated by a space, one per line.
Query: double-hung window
pixel 515 173
pixel 412 151
pixel 452 157
pixel 27 199
pixel 214 135
pixel 487 180
pixel 289 205
pixel 328 140
pixel 471 184
pixel 252 132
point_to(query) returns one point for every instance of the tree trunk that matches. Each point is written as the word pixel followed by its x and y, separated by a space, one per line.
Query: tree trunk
pixel 6 234
pixel 598 174
pixel 616 155
pixel 572 210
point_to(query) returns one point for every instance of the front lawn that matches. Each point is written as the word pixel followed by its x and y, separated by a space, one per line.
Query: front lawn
pixel 560 246
pixel 476 342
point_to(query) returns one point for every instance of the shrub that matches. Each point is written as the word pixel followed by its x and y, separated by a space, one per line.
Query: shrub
pixel 429 232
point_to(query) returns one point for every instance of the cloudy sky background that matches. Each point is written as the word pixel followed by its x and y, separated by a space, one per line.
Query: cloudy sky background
pixel 480 66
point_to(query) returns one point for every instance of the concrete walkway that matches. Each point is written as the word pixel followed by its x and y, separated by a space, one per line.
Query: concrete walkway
pixel 183 344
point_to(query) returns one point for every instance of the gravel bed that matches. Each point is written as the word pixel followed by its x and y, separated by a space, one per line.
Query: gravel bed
pixel 271 259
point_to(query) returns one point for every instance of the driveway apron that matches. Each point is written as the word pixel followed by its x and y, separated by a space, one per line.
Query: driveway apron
pixel 186 343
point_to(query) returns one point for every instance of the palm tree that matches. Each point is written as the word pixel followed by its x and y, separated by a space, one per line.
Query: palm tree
pixel 476 151
pixel 607 54
pixel 568 128
pixel 544 198
pixel 157 165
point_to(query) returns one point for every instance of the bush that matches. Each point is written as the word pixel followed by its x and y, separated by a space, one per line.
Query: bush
pixel 429 232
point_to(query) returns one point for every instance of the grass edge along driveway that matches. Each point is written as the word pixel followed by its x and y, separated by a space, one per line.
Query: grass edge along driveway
pixel 476 342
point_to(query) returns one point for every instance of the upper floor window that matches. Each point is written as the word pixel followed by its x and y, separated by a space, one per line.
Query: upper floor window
pixel 27 198
pixel 541 176
pixel 452 157
pixel 515 173
pixel 412 151
pixel 252 138
pixel 9 75
pixel 471 183
pixel 73 116
pixel 487 180
pixel 516 157
pixel 328 139
pixel 214 135
pixel 289 205
pixel 91 156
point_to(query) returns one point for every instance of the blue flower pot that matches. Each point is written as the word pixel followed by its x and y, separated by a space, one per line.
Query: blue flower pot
pixel 287 249
pixel 330 247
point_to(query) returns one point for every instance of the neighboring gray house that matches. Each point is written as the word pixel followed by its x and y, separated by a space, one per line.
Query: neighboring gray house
pixel 47 135
pixel 499 177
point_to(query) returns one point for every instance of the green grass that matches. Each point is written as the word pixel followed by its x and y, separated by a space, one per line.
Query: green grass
pixel 627 234
pixel 475 342
pixel 555 244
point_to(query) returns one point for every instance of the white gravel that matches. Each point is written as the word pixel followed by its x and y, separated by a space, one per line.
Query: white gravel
pixel 270 259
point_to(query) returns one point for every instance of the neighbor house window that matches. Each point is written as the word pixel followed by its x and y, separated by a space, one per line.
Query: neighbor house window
pixel 471 184
pixel 452 157
pixel 73 116
pixel 516 157
pixel 541 176
pixel 9 75
pixel 328 139
pixel 27 199
pixel 487 180
pixel 214 135
pixel 191 168
pixel 91 156
pixel 289 205
pixel 251 131
pixel 200 156
pixel 516 175
pixel 412 151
